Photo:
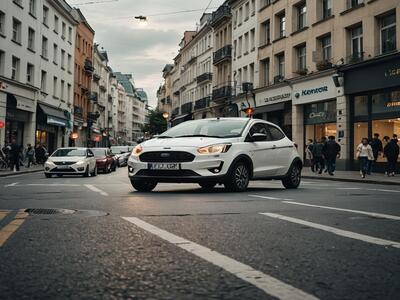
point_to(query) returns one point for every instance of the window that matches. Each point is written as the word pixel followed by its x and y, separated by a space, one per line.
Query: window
pixel 388 33
pixel 2 23
pixel 276 134
pixel 265 2
pixel 301 58
pixel 280 60
pixel 247 11
pixel 63 30
pixel 62 89
pixel 234 48
pixel 55 81
pixel 62 59
pixel 265 72
pixel 240 44
pixel 70 34
pixel 281 25
pixel 356 36
pixel 68 91
pixel 252 39
pixel 16 36
pixel 55 24
pixel 55 53
pixel 354 3
pixel 245 75
pixel 326 48
pixel 253 7
pixel 43 81
pixel 18 2
pixel 251 73
pixel 246 43
pixel 301 16
pixel 45 15
pixel 326 8
pixel 240 17
pixel 30 73
pixel 45 51
pixel 2 62
pixel 266 32
pixel 32 7
pixel 235 19
pixel 31 39
pixel 69 63
pixel 15 68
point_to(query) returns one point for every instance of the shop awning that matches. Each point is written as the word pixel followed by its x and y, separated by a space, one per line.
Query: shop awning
pixel 55 116
pixel 269 108
pixel 25 103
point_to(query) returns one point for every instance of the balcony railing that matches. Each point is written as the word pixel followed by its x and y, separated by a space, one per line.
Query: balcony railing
pixel 187 108
pixel 278 79
pixel 222 54
pixel 355 58
pixel 204 77
pixel 202 103
pixel 96 77
pixel 93 97
pixel 88 66
pixel 222 13
pixel 221 93
pixel 324 64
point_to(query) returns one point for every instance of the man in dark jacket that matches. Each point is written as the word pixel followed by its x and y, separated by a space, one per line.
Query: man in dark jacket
pixel 331 151
pixel 40 154
pixel 15 155
pixel 318 157
pixel 391 152
pixel 377 148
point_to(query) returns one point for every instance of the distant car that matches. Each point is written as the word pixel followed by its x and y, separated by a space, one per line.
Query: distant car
pixel 229 151
pixel 122 154
pixel 71 161
pixel 104 160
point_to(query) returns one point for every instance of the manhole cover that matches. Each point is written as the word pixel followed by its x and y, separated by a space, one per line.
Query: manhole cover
pixel 49 211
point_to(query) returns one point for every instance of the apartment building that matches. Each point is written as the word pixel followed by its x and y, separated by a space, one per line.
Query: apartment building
pixel 139 113
pixel 36 76
pixel 164 93
pixel 85 115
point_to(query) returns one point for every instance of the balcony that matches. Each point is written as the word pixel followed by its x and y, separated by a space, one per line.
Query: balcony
pixel 192 60
pixel 221 14
pixel 225 53
pixel 204 77
pixel 96 77
pixel 187 108
pixel 168 100
pixel 88 66
pixel 324 64
pixel 94 97
pixel 355 58
pixel 278 79
pixel 222 93
pixel 202 103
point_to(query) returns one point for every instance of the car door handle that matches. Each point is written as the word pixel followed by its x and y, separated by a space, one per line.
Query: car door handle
pixel 273 146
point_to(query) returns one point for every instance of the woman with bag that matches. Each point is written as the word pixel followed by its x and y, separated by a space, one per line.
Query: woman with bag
pixel 365 155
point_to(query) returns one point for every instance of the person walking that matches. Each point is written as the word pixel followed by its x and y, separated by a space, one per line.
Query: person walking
pixel 391 152
pixel 30 155
pixel 331 152
pixel 377 149
pixel 309 154
pixel 365 156
pixel 318 156
pixel 40 153
pixel 15 155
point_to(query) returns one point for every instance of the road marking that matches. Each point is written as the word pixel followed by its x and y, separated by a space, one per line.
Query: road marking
pixel 95 189
pixel 349 188
pixel 269 198
pixel 267 283
pixel 383 190
pixel 340 232
pixel 53 184
pixel 11 184
pixel 9 229
pixel 3 213
pixel 372 214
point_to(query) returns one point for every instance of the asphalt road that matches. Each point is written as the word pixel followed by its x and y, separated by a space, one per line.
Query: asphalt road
pixel 327 240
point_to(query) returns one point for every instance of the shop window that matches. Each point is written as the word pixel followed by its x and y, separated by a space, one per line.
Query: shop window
pixel 360 106
pixel 388 33
pixel 386 102
pixel 317 131
pixel 360 132
pixel 386 127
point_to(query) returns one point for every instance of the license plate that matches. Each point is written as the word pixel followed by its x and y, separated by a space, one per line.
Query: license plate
pixel 63 167
pixel 163 166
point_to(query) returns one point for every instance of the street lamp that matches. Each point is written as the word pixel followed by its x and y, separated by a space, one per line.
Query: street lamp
pixel 165 115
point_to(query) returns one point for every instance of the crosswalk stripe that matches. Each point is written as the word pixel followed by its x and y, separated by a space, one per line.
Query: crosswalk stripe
pixel 3 213
pixel 9 229
pixel 340 232
pixel 267 283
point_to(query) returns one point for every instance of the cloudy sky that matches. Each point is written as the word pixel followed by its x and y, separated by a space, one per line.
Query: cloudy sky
pixel 142 48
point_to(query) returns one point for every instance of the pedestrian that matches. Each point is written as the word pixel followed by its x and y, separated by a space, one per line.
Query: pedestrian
pixel 40 153
pixel 377 149
pixel 30 155
pixel 15 155
pixel 331 152
pixel 309 154
pixel 391 152
pixel 365 156
pixel 318 156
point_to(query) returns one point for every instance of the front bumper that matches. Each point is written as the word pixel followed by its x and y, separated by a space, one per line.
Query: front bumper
pixel 69 170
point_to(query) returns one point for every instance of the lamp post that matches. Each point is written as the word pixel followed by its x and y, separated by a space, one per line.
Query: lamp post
pixel 166 116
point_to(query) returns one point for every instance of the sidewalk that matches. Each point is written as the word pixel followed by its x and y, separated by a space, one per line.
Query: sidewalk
pixel 23 170
pixel 353 176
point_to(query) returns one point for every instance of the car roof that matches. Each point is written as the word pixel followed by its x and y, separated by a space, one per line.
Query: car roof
pixel 241 118
pixel 78 148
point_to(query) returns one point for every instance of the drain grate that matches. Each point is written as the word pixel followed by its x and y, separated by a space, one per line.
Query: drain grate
pixel 49 211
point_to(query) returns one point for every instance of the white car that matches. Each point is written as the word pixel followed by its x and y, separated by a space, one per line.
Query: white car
pixel 71 161
pixel 229 151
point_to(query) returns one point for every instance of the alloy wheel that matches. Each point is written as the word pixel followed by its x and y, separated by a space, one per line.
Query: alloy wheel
pixel 241 176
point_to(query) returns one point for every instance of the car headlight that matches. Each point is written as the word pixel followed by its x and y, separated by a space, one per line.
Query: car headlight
pixel 49 162
pixel 137 150
pixel 214 149
pixel 79 163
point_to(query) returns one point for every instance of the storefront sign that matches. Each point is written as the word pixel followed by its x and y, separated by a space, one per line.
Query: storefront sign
pixel 314 90
pixel 57 122
pixel 274 96
pixel 320 113
pixel 25 104
pixel 392 72
pixel 393 104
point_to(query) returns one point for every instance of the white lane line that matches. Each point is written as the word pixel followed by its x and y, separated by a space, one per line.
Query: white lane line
pixel 384 190
pixel 269 198
pixel 349 188
pixel 372 214
pixel 11 184
pixel 95 189
pixel 267 283
pixel 340 232
pixel 53 184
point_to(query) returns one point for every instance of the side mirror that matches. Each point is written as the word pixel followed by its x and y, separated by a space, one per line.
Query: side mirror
pixel 258 137
pixel 90 155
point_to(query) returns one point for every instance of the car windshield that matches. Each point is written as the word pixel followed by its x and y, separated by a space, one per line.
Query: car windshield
pixel 119 150
pixel 219 128
pixel 69 152
pixel 99 152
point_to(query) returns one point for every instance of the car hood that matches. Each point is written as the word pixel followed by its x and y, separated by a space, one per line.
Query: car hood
pixel 189 142
pixel 66 158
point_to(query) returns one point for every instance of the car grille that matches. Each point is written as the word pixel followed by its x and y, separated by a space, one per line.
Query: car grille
pixel 70 170
pixel 166 173
pixel 64 163
pixel 167 156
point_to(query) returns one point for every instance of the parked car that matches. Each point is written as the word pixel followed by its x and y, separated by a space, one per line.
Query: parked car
pixel 71 161
pixel 122 154
pixel 229 151
pixel 104 160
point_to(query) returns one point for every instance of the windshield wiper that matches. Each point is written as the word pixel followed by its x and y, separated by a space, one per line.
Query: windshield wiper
pixel 164 137
pixel 198 135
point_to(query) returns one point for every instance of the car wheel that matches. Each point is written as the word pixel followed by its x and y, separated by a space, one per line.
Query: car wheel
pixel 108 169
pixel 238 179
pixel 207 185
pixel 86 174
pixel 94 173
pixel 293 178
pixel 143 186
pixel 47 175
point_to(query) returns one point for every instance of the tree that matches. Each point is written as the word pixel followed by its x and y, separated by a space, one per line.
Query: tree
pixel 157 124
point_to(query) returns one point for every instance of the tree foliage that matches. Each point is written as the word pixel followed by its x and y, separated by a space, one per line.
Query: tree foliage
pixel 157 123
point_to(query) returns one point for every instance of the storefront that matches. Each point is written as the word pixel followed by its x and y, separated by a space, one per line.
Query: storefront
pixel 275 106
pixel 374 101
pixel 320 120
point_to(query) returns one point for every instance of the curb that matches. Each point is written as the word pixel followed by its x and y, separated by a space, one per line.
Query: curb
pixel 20 173
pixel 352 180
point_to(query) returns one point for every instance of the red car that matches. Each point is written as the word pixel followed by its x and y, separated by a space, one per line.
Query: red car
pixel 104 159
